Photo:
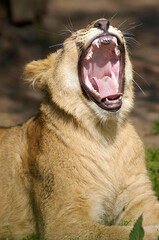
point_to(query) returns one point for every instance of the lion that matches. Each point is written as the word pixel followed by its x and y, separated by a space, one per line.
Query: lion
pixel 77 170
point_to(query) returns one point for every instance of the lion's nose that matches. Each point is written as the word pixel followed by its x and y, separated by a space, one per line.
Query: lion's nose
pixel 102 24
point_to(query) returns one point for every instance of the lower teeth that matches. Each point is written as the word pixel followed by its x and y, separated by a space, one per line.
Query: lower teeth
pixel 95 91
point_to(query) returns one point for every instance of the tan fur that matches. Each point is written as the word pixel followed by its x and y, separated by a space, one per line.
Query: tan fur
pixel 75 170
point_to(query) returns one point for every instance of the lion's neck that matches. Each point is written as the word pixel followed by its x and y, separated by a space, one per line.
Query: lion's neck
pixel 88 126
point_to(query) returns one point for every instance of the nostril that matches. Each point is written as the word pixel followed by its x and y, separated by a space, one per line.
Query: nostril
pixel 102 24
pixel 98 25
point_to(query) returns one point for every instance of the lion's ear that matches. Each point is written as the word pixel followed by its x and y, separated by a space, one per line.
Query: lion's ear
pixel 36 72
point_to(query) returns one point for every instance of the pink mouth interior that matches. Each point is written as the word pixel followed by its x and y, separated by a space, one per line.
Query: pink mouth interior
pixel 101 70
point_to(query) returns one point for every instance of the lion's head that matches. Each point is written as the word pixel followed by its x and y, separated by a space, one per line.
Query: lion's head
pixel 90 76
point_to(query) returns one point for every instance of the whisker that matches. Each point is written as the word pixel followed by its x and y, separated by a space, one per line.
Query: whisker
pixel 66 32
pixel 70 23
pixel 139 87
pixel 66 48
pixel 112 18
pixel 138 25
pixel 122 23
pixel 127 34
pixel 69 30
pixel 141 77
pixel 62 44
pixel 132 23
pixel 130 40
pixel 51 33
pixel 56 45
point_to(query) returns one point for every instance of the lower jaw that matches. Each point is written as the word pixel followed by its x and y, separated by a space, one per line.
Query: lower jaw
pixel 109 105
pixel 110 108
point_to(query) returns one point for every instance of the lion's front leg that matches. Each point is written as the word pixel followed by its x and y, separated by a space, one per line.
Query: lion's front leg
pixel 142 200
pixel 91 230
pixel 71 227
pixel 62 230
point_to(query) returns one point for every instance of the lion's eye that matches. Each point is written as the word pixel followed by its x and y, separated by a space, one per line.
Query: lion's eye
pixel 79 44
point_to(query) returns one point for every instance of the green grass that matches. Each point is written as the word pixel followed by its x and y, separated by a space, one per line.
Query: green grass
pixel 125 222
pixel 152 160
pixel 33 237
pixel 155 128
pixel 10 235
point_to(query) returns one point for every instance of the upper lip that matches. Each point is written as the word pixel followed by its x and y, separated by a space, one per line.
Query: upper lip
pixel 112 102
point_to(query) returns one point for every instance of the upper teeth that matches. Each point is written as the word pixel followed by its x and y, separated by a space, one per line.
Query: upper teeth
pixel 103 40
pixel 89 55
pixel 97 43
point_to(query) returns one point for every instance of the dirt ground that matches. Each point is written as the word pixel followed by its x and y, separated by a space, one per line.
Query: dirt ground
pixel 22 43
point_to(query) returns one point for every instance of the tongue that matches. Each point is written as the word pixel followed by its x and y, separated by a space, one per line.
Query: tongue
pixel 106 87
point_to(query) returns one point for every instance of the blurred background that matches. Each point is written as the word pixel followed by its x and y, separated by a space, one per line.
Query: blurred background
pixel 29 27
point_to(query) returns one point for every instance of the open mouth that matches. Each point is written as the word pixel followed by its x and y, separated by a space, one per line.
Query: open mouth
pixel 101 72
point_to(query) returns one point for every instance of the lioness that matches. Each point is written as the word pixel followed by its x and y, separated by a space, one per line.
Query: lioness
pixel 77 170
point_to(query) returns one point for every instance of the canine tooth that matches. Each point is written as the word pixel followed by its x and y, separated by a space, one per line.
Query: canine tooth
pixel 117 51
pixel 97 44
pixel 115 40
pixel 89 55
